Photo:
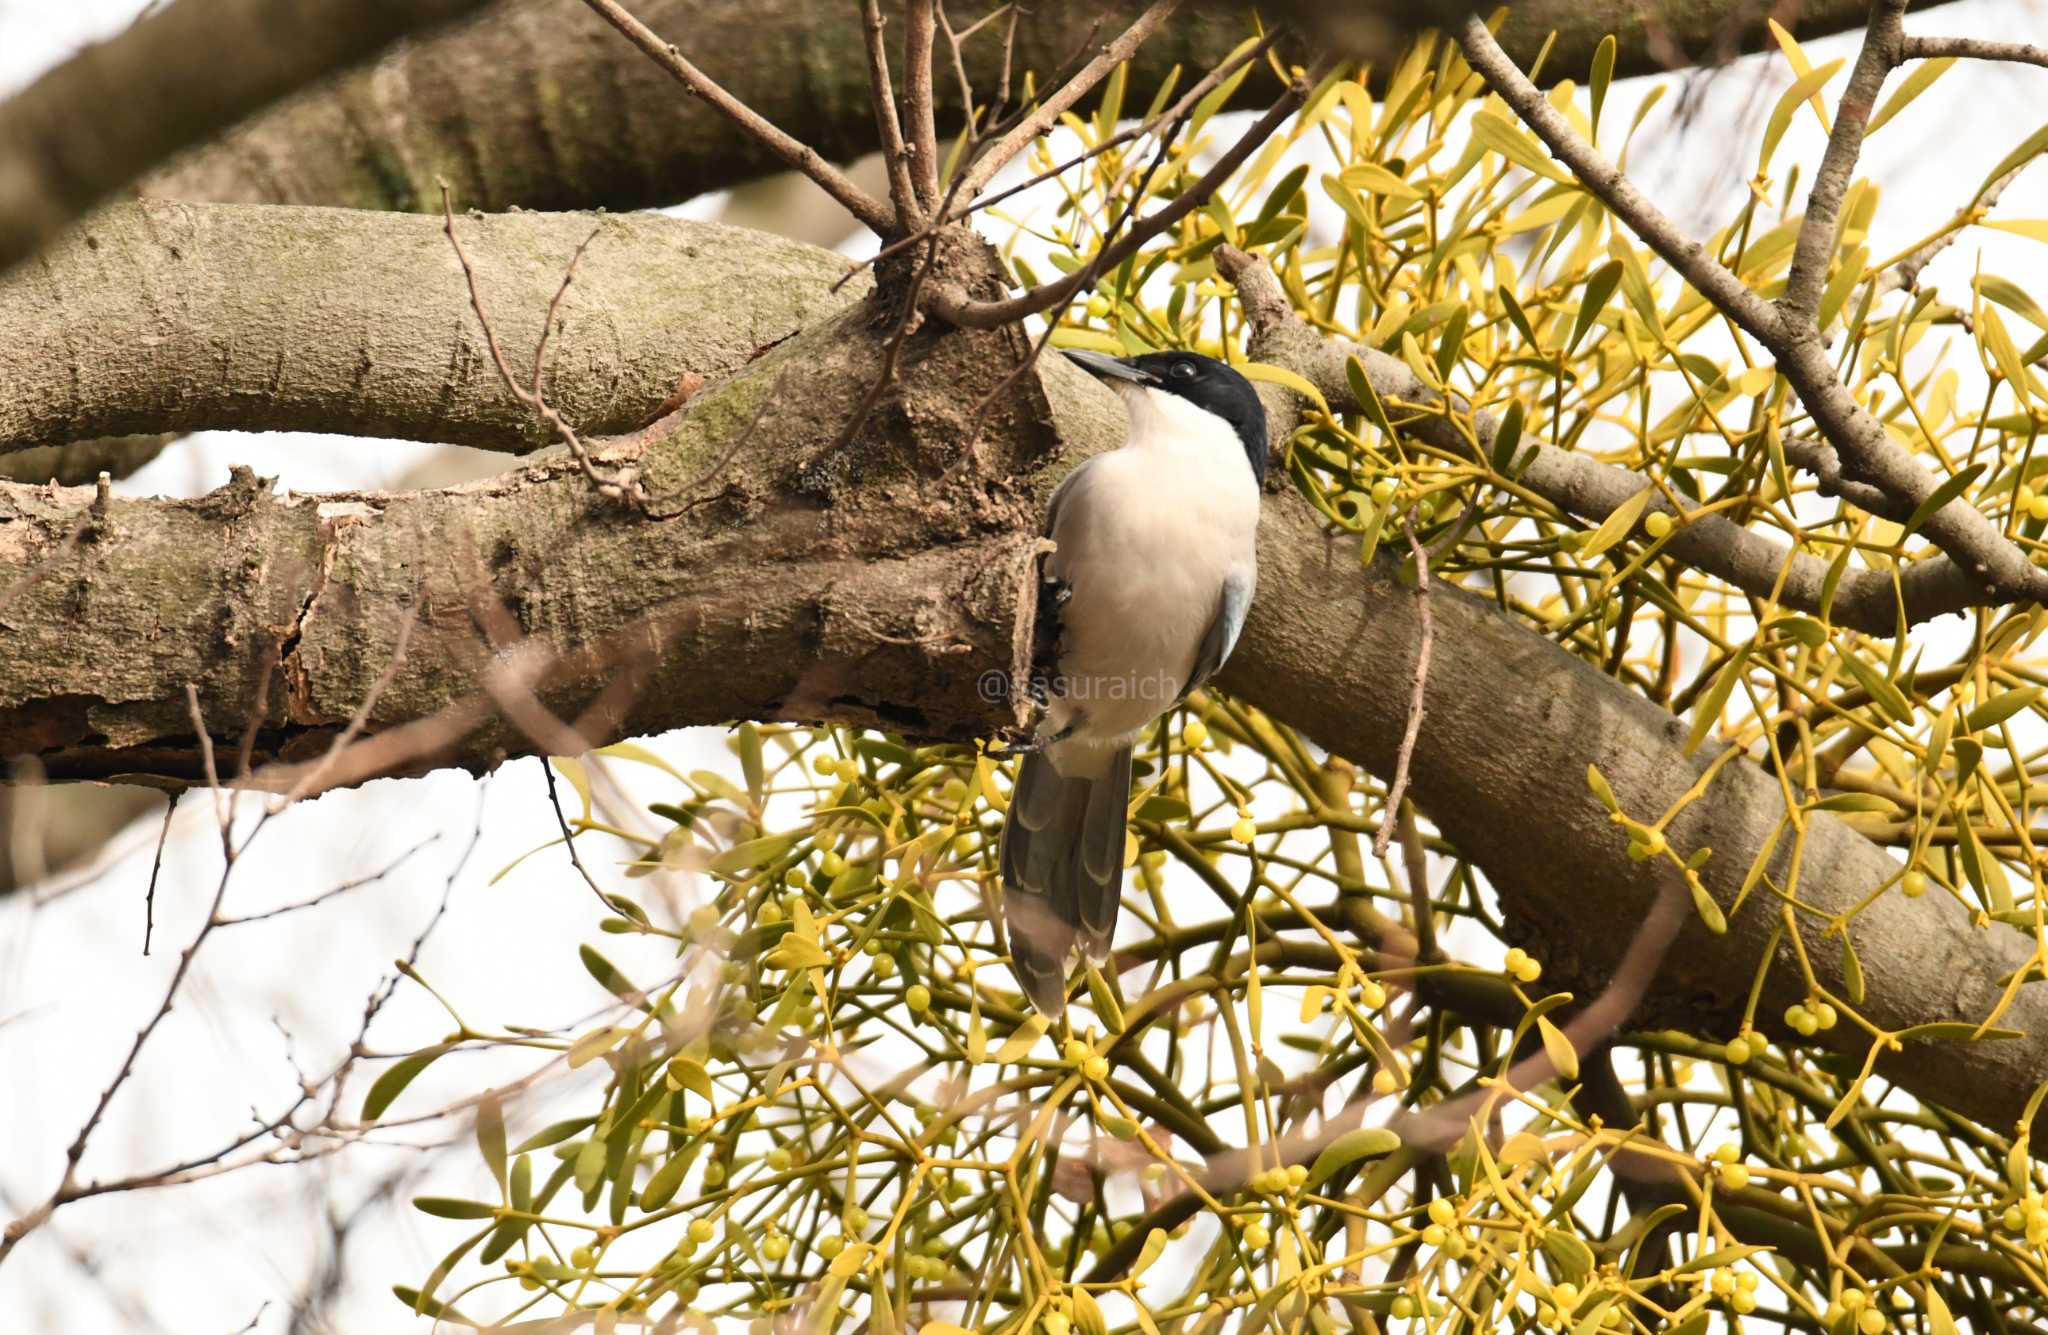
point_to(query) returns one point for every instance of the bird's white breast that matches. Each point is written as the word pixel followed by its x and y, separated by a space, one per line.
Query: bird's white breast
pixel 1147 536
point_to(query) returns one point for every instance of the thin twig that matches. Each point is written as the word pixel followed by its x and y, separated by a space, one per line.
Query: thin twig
pixel 872 213
pixel 1171 115
pixel 569 837
pixel 1087 275
pixel 998 155
pixel 625 486
pixel 49 563
pixel 1816 242
pixel 955 307
pixel 1398 789
pixel 156 866
pixel 359 718
pixel 1906 273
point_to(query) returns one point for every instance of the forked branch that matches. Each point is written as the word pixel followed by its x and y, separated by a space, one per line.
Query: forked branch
pixel 1866 451
pixel 801 157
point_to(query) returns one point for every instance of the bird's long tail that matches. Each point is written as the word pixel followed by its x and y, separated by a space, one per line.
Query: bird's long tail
pixel 1062 860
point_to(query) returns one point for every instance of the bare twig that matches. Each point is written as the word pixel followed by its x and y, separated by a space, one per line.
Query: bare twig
pixel 331 892
pixel 569 836
pixel 998 154
pixel 955 307
pixel 625 486
pixel 42 568
pixel 895 154
pixel 920 127
pixel 1971 48
pixel 1172 115
pixel 346 737
pixel 1906 273
pixel 1397 790
pixel 1816 243
pixel 872 213
pixel 970 115
pixel 156 867
pixel 67 1189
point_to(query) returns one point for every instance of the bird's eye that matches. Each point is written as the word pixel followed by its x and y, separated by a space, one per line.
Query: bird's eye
pixel 1183 371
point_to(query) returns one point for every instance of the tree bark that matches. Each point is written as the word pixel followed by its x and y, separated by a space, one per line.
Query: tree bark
pixel 875 581
pixel 538 104
pixel 175 79
pixel 172 317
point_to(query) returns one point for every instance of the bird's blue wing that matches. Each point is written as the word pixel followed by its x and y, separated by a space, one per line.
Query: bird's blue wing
pixel 1221 637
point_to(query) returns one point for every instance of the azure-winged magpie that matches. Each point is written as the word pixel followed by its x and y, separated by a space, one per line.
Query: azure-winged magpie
pixel 1154 569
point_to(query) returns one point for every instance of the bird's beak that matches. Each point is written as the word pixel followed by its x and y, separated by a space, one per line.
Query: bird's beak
pixel 1105 367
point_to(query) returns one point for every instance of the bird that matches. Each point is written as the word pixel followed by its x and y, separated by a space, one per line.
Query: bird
pixel 1152 572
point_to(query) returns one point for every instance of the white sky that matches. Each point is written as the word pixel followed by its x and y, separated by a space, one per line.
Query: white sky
pixel 213 1256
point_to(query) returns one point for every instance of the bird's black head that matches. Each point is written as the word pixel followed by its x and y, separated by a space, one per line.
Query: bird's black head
pixel 1202 381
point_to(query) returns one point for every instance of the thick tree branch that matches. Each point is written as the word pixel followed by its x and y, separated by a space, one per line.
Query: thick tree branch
pixel 121 107
pixel 1866 451
pixel 280 319
pixel 537 104
pixel 794 593
pixel 1585 487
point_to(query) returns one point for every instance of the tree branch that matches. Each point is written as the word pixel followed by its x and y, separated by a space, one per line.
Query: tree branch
pixel 1971 48
pixel 888 122
pixel 1864 599
pixel 120 107
pixel 1867 453
pixel 884 607
pixel 1816 243
pixel 283 319
pixel 951 304
pixel 920 123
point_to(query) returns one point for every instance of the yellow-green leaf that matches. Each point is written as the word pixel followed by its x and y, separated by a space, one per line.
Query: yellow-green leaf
pixel 1023 1038
pixel 1286 379
pixel 1360 1143
pixel 1155 1246
pixel 1806 86
pixel 1558 1048
pixel 2001 707
pixel 1513 143
pixel 1618 524
pixel 393 1082
pixel 1601 76
pixel 1923 76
